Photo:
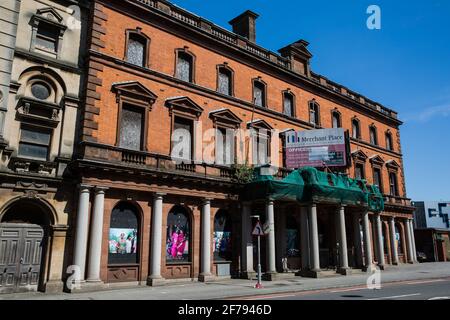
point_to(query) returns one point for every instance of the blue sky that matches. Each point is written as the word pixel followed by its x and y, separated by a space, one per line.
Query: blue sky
pixel 404 66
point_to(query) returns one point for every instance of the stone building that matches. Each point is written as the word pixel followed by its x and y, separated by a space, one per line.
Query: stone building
pixel 41 106
pixel 143 218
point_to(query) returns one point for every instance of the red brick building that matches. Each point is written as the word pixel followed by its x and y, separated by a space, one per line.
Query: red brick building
pixel 153 68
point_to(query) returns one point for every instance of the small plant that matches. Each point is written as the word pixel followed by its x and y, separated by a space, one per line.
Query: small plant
pixel 243 173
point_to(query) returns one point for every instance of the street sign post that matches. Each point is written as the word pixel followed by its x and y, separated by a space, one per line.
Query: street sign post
pixel 258 231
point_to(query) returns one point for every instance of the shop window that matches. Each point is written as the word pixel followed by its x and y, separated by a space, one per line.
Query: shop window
pixel 184 68
pixel 222 237
pixel 137 47
pixel 225 81
pixel 288 104
pixel 178 235
pixel 292 237
pixel 34 143
pixel 259 93
pixel 124 235
pixel 398 240
pixel 182 138
pixel 314 113
pixel 131 128
pixel 356 131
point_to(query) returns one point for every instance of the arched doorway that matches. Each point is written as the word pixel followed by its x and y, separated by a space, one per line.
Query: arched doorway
pixel 24 227
pixel 222 245
pixel 124 243
pixel 178 243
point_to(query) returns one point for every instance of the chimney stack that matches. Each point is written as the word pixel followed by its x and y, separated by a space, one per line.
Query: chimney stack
pixel 245 25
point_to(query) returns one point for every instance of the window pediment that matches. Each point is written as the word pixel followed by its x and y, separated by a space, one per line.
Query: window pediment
pixel 49 14
pixel 134 90
pixel 359 155
pixel 259 124
pixel 225 116
pixel 37 111
pixel 376 159
pixel 184 105
pixel 392 164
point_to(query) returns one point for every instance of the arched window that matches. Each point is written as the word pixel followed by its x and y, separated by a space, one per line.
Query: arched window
pixel 178 235
pixel 373 135
pixel 314 113
pixel 259 93
pixel 356 131
pixel 389 144
pixel 222 236
pixel 185 66
pixel 137 46
pixel 224 80
pixel 288 104
pixel 336 119
pixel 124 235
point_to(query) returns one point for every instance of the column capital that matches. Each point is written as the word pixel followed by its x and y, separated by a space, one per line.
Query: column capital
pixel 391 218
pixel 206 201
pixel 99 189
pixel 269 202
pixel 159 195
pixel 84 187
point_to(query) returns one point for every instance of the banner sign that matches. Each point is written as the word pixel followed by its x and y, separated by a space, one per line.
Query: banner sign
pixel 316 148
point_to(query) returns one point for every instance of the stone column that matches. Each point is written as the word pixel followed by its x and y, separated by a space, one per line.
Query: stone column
pixel 95 244
pixel 304 238
pixel 205 272
pixel 393 243
pixel 155 277
pixel 357 240
pixel 270 216
pixel 409 242
pixel 314 239
pixel 367 242
pixel 413 241
pixel 247 268
pixel 81 231
pixel 342 236
pixel 380 244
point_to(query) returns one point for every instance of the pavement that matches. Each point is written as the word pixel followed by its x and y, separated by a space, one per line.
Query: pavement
pixel 431 279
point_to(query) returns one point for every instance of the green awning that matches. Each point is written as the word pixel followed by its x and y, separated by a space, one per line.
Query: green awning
pixel 311 185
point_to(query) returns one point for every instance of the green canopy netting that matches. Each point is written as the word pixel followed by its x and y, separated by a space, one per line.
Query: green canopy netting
pixel 311 185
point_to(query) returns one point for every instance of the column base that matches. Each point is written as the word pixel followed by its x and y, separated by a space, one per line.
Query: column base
pixel 369 269
pixel 156 281
pixel 344 271
pixel 54 286
pixel 271 276
pixel 250 275
pixel 208 277
pixel 89 286
pixel 309 273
